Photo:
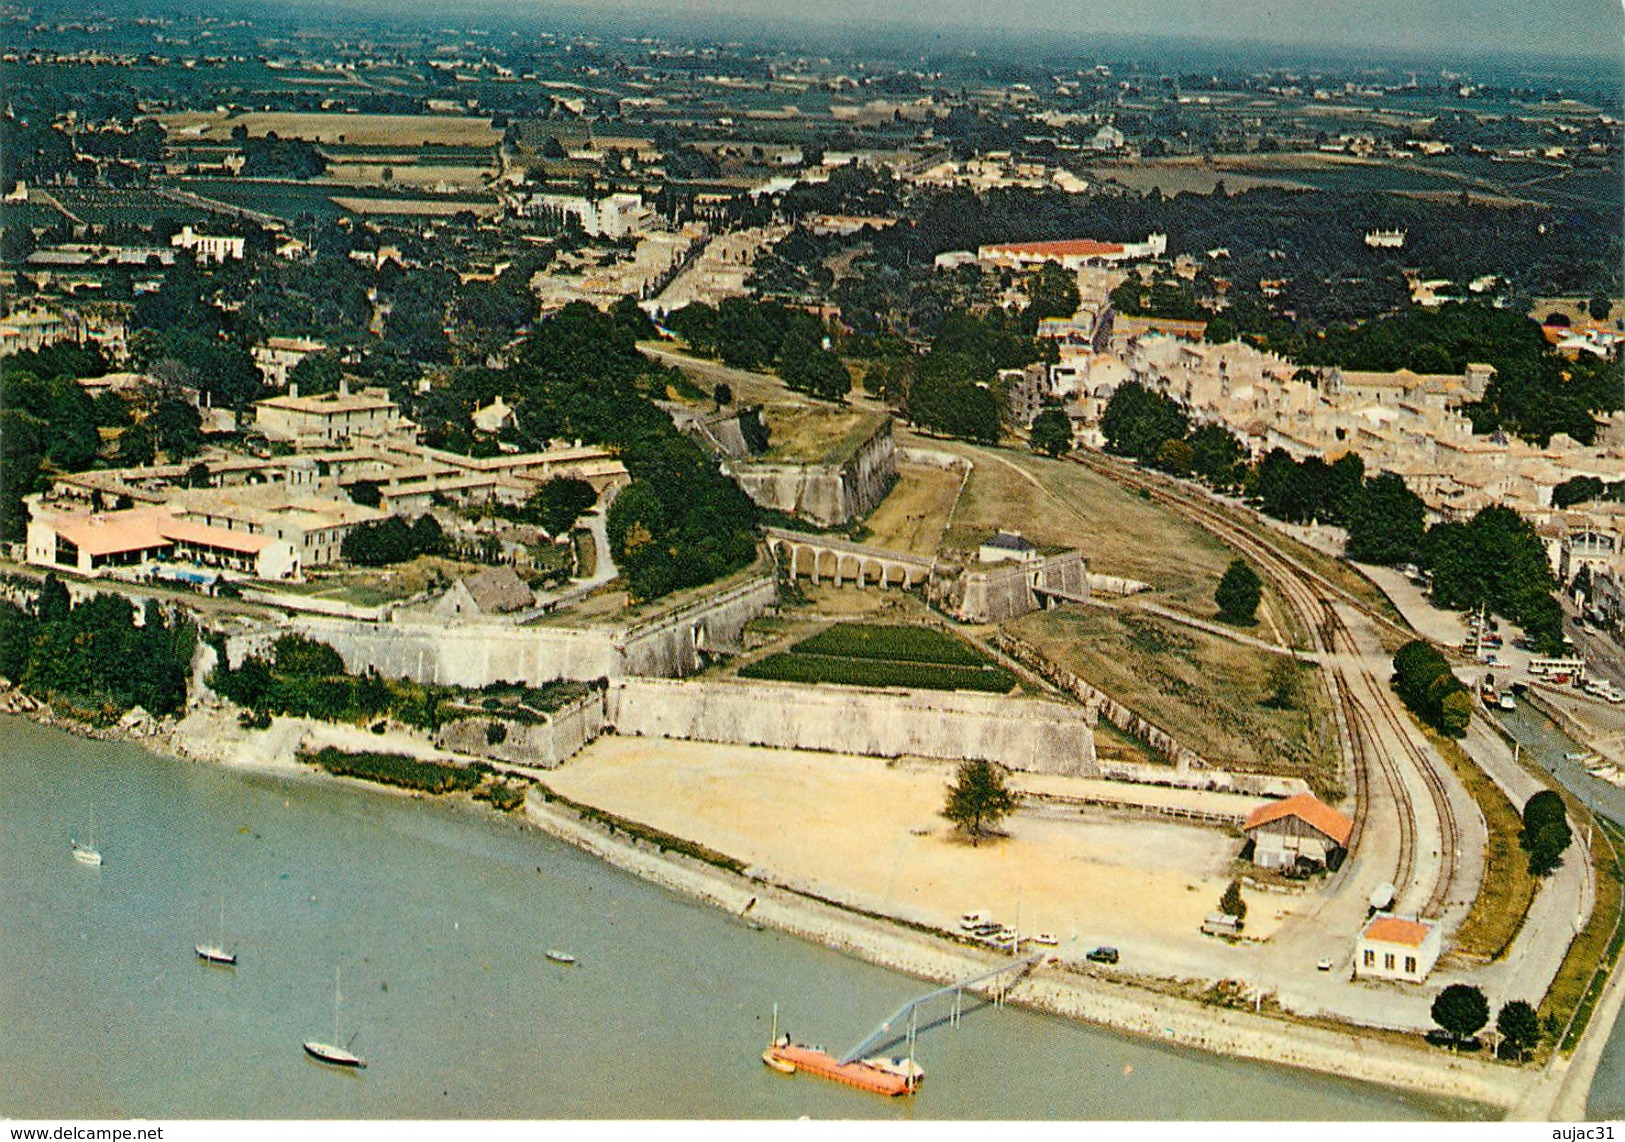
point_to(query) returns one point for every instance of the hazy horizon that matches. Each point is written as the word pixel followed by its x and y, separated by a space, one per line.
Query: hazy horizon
pixel 1557 29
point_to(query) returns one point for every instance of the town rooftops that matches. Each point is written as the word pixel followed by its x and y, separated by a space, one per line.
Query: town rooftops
pixel 145 529
pixel 112 532
pixel 331 404
pixel 1307 808
pixel 1397 930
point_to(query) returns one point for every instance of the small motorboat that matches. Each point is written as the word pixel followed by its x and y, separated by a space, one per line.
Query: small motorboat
pixel 782 1065
pixel 560 957
pixel 86 854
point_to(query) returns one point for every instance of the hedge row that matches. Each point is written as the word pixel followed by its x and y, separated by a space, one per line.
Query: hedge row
pixel 894 643
pixel 801 667
pixel 396 769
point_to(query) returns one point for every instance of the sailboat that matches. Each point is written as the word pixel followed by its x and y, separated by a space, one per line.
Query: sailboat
pixel 327 1052
pixel 217 953
pixel 87 853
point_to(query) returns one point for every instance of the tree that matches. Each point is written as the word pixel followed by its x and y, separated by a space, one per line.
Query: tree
pixel 558 503
pixel 135 446
pixel 1238 593
pixel 1051 432
pixel 1519 1027
pixel 723 395
pixel 979 799
pixel 1599 307
pixel 178 429
pixel 1385 522
pixel 1546 834
pixel 1231 903
pixel 305 657
pixel 1461 1010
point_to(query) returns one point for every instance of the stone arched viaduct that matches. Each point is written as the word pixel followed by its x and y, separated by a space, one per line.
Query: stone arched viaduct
pixel 824 558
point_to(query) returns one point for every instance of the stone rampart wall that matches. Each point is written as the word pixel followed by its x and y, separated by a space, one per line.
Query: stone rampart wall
pixel 1000 592
pixel 828 495
pixel 1039 736
pixel 476 654
pixel 545 744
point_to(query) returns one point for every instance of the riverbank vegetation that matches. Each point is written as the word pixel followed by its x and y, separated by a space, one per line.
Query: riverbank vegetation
pixel 303 677
pixel 396 769
pixel 100 653
pixel 1595 953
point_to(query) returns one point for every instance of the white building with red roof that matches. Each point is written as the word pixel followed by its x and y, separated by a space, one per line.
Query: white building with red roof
pixel 1298 829
pixel 1070 253
pixel 99 543
pixel 1396 947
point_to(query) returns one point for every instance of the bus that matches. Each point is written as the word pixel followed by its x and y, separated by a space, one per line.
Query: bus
pixel 1552 667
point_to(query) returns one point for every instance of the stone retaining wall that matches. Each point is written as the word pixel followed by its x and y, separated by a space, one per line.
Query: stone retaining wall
pixel 1022 733
pixel 543 744
pixel 476 654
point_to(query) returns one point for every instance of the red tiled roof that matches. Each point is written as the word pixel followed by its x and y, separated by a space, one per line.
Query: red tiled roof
pixel 205 535
pixel 1307 808
pixel 1396 930
pixel 1073 247
pixel 112 532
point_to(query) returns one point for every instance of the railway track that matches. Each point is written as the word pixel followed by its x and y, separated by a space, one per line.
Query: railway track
pixel 1357 694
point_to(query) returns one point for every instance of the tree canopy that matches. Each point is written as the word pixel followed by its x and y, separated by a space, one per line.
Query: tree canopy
pixel 979 799
pixel 1461 1010
pixel 1238 593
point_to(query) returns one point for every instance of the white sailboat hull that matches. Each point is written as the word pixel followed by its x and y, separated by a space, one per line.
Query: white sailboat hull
pixel 337 1056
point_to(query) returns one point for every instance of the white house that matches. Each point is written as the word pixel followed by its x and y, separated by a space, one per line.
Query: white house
pixel 210 247
pixel 1392 947
pixel 98 543
pixel 1008 546
pixel 276 357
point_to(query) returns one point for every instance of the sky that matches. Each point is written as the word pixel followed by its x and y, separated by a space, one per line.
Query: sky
pixel 1541 28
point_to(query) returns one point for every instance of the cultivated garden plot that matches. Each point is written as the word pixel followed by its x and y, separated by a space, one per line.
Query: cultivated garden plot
pixel 863 654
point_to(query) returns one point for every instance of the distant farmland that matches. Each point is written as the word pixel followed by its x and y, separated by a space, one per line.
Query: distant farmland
pixel 323 127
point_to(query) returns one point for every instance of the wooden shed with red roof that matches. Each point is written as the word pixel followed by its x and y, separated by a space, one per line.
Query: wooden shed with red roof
pixel 1301 831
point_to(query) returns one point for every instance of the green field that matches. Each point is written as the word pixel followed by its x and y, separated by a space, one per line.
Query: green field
pixel 866 654
pixel 1239 707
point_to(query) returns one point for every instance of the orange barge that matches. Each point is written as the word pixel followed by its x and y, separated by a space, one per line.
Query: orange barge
pixel 786 1056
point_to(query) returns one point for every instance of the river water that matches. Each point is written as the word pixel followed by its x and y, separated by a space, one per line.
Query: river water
pixel 1550 747
pixel 437 916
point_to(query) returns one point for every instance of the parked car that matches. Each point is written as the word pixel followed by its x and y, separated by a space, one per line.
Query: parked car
pixel 1102 955
pixel 1324 964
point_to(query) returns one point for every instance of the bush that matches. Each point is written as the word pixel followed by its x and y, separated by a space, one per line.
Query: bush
pixel 1546 835
pixel 395 769
pixel 1238 593
pixel 1425 684
pixel 495 733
